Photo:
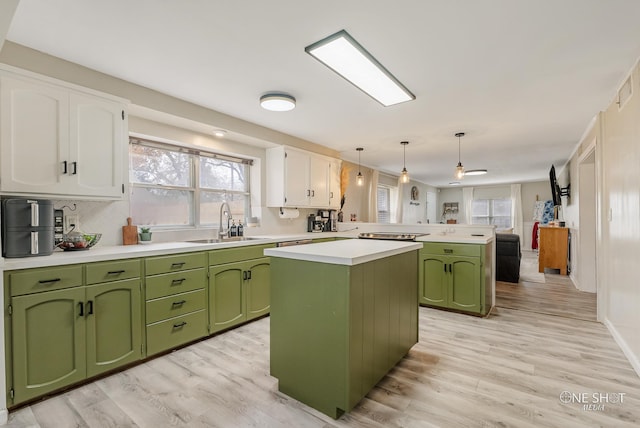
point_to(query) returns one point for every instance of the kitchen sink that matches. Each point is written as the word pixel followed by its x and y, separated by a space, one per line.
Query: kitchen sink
pixel 221 240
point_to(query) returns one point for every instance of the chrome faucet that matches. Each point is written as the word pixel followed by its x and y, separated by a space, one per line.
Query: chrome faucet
pixel 222 232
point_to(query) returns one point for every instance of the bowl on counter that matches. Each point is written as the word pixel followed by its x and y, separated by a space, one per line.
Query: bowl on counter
pixel 77 241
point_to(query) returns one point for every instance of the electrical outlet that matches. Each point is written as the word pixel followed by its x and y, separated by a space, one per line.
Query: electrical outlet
pixel 71 222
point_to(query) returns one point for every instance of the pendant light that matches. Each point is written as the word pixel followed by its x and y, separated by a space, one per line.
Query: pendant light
pixel 404 175
pixel 459 169
pixel 359 177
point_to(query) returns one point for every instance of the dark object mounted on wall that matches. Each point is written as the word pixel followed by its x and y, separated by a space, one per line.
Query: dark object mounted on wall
pixel 556 191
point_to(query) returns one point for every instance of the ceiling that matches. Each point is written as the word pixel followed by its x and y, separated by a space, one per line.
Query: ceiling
pixel 522 78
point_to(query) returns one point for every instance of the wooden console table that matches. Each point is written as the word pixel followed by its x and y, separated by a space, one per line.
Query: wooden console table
pixel 554 249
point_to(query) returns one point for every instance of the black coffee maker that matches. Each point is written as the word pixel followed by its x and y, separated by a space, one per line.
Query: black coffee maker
pixel 329 220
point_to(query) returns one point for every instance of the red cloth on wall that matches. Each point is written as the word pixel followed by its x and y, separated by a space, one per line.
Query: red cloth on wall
pixel 534 236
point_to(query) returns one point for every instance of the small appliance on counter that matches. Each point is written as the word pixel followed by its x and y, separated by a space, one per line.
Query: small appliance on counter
pixel 314 223
pixel 329 220
pixel 27 227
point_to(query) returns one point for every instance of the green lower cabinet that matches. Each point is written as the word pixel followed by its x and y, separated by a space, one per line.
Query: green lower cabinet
pixel 114 325
pixel 434 280
pixel 60 337
pixel 464 289
pixel 49 342
pixel 238 292
pixel 258 288
pixel 453 281
pixel 173 332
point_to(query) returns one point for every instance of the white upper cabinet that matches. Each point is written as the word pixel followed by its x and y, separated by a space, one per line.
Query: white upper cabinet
pixel 297 178
pixel 96 152
pixel 334 184
pixel 60 141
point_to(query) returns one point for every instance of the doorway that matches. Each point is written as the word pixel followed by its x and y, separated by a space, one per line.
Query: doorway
pixel 586 280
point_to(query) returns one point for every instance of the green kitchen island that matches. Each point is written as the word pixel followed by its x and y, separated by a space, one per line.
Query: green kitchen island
pixel 343 313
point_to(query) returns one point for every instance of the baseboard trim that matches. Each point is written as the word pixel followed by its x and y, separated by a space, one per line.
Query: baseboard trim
pixel 631 356
pixel 4 416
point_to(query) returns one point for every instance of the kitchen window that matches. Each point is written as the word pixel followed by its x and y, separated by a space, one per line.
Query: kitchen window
pixel 387 202
pixel 173 186
pixel 492 211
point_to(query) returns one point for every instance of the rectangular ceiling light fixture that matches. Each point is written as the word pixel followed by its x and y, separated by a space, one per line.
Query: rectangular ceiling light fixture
pixel 341 53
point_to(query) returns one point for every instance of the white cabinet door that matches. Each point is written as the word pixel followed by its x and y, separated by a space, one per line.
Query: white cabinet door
pixel 97 144
pixel 334 184
pixel 300 179
pixel 319 182
pixel 58 141
pixel 34 136
pixel 296 176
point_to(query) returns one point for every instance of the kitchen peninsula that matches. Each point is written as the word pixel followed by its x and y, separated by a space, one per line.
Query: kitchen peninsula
pixel 343 313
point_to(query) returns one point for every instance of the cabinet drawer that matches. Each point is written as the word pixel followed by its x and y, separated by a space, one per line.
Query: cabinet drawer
pixel 36 280
pixel 473 250
pixel 112 271
pixel 230 255
pixel 173 332
pixel 175 305
pixel 173 283
pixel 164 264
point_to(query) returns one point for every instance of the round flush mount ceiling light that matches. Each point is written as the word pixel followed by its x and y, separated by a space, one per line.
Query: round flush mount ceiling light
pixel 476 172
pixel 277 102
pixel 220 133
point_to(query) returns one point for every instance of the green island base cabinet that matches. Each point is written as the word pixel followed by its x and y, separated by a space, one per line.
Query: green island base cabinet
pixel 455 276
pixel 336 330
pixel 66 324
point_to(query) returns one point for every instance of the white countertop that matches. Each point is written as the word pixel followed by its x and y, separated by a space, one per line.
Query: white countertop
pixel 105 253
pixel 457 238
pixel 345 252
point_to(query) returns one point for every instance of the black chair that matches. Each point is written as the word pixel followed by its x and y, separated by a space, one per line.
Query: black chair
pixel 508 257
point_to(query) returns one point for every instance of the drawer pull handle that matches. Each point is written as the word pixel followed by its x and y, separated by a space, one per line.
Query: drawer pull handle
pixel 178 281
pixel 116 272
pixel 177 264
pixel 180 324
pixel 179 303
pixel 48 281
pixel 448 251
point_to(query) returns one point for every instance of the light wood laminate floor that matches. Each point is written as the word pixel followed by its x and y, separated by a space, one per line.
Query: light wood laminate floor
pixel 557 295
pixel 506 370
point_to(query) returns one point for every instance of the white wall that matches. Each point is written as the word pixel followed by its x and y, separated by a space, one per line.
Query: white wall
pixel 415 212
pixel 618 253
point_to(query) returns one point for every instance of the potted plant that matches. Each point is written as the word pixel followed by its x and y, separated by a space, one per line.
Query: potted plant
pixel 145 234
